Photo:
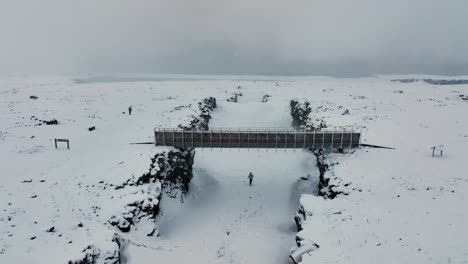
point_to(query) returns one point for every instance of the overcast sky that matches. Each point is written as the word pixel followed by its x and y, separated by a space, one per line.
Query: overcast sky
pixel 288 37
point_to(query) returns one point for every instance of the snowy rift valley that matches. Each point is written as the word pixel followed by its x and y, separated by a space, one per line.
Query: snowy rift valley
pixel 105 200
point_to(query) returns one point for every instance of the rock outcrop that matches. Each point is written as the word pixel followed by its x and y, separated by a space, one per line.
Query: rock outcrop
pixel 170 172
pixel 302 118
pixel 201 121
pixel 105 254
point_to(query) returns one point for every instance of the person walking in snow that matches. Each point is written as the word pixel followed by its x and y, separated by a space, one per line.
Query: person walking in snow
pixel 250 178
pixel 130 110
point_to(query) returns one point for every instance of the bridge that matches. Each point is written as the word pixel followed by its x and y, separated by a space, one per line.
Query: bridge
pixel 273 138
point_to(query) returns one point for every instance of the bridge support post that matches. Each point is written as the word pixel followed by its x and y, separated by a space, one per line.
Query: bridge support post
pixel 295 140
pixel 305 134
pixel 239 139
pixel 313 141
pixel 276 139
pixel 341 143
pixel 323 138
pixel 183 138
pixel 155 139
pixel 333 138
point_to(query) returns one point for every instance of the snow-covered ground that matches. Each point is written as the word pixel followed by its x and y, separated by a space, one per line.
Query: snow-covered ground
pixel 403 205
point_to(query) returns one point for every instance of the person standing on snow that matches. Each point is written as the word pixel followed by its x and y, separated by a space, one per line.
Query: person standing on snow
pixel 250 178
pixel 130 110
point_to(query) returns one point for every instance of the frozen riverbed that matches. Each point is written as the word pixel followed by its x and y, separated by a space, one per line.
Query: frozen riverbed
pixel 223 219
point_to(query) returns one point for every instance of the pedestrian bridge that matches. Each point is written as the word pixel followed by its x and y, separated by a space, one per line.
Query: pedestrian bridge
pixel 273 138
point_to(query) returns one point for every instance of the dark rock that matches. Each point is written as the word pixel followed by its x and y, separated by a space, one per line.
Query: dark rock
pixel 445 82
pixel 235 97
pixel 201 121
pixel 51 230
pixel 152 232
pixel 91 128
pixel 33 97
pixel 300 113
pixel 405 80
pixel 174 169
pixel 265 98
pixel 120 222
pixel 51 122
pixel 299 218
pixel 433 81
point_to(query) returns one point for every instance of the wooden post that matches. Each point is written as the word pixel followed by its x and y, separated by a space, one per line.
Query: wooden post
pixel 173 138
pixel 68 145
pixel 164 136
pixel 56 142
pixel 351 139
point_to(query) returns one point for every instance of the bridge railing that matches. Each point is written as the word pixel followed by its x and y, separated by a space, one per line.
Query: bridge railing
pixel 257 138
pixel 267 129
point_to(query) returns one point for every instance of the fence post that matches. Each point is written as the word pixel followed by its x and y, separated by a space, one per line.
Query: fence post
pixel 56 141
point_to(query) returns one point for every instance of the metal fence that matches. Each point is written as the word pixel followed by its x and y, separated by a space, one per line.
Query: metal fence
pixel 257 138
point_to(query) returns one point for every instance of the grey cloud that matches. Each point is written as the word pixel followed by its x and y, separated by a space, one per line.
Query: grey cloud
pixel 297 37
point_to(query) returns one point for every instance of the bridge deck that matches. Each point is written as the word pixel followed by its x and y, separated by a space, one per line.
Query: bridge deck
pixel 256 138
